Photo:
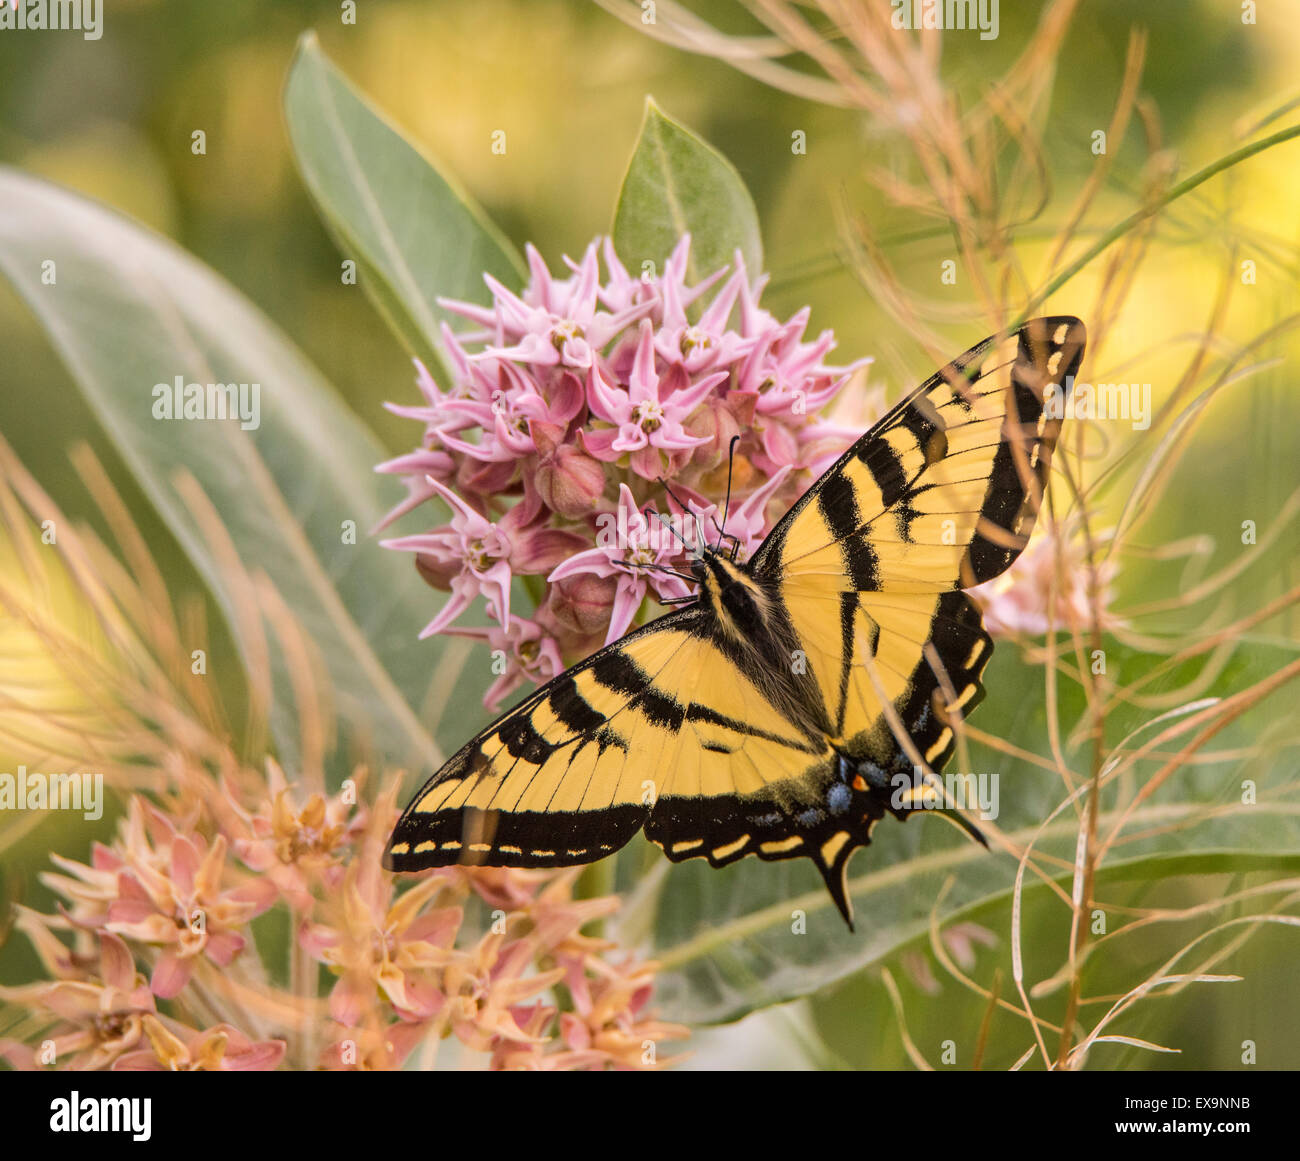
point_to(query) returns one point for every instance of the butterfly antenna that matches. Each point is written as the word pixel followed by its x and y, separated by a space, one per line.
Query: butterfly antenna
pixel 670 572
pixel 726 507
pixel 655 568
pixel 699 528
pixel 672 495
pixel 660 517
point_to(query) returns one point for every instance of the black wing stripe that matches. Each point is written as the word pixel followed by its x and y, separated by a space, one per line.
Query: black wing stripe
pixel 617 669
pixel 702 713
pixel 571 708
pixel 838 504
pixel 620 674
pixel 923 421
pixel 887 471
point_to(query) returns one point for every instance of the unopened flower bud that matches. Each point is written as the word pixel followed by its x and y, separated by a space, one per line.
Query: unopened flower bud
pixel 582 603
pixel 570 482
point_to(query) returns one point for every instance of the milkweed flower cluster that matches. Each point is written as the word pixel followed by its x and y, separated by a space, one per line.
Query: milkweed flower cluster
pixel 496 958
pixel 571 411
pixel 1049 584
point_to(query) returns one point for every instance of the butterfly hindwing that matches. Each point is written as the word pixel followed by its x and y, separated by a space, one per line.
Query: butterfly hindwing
pixel 746 780
pixel 822 801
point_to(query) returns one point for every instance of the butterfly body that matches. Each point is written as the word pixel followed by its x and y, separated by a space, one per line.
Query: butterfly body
pixel 784 712
pixel 741 614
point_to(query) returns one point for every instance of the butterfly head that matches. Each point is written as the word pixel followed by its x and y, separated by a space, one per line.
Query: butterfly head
pixel 739 603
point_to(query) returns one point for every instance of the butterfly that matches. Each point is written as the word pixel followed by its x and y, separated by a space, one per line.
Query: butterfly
pixel 780 713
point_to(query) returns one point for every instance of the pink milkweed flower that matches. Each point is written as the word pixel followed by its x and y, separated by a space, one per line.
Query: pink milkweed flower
pixel 87 890
pixel 439 414
pixel 99 1018
pixel 788 374
pixel 572 390
pixel 675 273
pixel 417 468
pixel 168 889
pixel 528 653
pixel 527 1053
pixel 631 547
pixel 474 556
pixel 608 1020
pixel 696 347
pixel 514 405
pixel 222 1048
pixel 1019 601
pixel 649 414
pixel 374 1047
pixel 622 291
pixel 788 382
pixel 509 888
pixel 472 552
pixel 186 909
pixel 383 943
pixel 555 323
pixel 486 986
pixel 292 847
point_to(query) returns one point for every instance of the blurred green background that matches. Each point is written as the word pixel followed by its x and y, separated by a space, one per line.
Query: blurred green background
pixel 567 82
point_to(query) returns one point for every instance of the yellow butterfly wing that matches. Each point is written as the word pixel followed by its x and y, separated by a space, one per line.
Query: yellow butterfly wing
pixel 866 572
pixel 942 494
pixel 574 771
pixel 567 776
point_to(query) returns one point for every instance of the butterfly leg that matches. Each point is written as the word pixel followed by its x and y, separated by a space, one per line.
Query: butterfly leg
pixel 735 545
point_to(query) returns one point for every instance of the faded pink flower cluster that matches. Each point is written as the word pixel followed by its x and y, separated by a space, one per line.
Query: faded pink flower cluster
pixel 407 970
pixel 564 411
pixel 1050 585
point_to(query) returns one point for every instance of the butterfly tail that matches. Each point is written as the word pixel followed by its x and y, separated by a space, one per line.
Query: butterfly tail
pixel 835 874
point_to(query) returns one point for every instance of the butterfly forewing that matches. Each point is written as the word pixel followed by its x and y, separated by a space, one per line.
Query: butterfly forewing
pixel 942 493
pixel 560 779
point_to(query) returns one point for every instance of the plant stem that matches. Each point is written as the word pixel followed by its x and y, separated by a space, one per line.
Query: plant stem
pixel 1097 711
pixel 1227 161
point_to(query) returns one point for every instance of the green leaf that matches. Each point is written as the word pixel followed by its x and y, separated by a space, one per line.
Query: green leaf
pixel 129 310
pixel 728 940
pixel 413 234
pixel 676 183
